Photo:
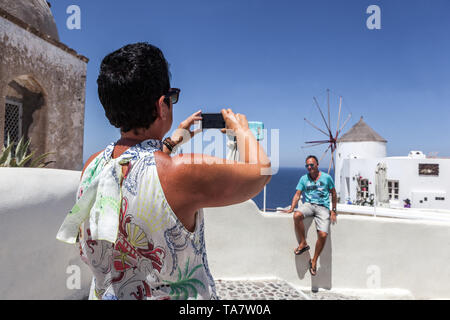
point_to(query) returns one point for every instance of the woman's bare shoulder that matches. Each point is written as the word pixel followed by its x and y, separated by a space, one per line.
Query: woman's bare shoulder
pixel 90 160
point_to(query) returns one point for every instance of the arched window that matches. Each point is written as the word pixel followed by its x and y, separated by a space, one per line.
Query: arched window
pixel 25 112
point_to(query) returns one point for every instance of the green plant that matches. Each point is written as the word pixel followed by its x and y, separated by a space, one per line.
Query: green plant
pixel 184 283
pixel 16 156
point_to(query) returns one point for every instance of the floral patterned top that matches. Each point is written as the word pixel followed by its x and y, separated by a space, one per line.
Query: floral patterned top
pixel 129 236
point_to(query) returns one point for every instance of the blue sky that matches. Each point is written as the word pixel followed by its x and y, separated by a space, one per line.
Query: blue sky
pixel 267 59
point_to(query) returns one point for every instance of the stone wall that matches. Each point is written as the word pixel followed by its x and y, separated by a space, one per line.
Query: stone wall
pixel 54 117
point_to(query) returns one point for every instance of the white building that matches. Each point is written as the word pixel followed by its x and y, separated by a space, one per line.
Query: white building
pixel 361 153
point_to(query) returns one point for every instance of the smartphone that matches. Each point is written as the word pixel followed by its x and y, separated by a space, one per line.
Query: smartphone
pixel 212 121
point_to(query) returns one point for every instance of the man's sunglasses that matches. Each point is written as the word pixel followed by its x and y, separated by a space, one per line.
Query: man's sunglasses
pixel 309 166
pixel 173 95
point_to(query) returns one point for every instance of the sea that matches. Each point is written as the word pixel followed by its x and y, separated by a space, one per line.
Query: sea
pixel 281 188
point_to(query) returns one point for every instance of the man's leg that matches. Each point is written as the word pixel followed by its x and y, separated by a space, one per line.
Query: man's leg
pixel 300 230
pixel 320 243
pixel 322 220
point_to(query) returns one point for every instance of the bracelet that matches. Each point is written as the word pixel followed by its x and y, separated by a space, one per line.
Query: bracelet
pixel 169 144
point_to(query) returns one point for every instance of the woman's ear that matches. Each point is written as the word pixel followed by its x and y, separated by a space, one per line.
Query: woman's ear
pixel 161 108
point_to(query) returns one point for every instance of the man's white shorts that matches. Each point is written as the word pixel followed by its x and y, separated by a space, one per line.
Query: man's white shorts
pixel 320 213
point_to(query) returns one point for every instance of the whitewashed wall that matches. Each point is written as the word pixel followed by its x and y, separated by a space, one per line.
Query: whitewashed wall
pixel 33 264
pixel 241 243
pixel 361 252
pixel 360 150
pixel 405 170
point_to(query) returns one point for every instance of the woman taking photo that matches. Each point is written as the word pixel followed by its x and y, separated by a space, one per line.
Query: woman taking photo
pixel 138 216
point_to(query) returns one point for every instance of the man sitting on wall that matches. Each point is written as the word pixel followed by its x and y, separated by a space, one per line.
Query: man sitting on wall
pixel 316 187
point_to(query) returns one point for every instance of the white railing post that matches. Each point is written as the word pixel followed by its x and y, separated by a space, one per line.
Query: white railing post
pixel 264 200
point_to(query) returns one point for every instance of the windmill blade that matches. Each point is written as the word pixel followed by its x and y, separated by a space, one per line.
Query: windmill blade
pixel 315 127
pixel 313 145
pixel 320 141
pixel 328 102
pixel 345 122
pixel 321 158
pixel 339 116
pixel 323 117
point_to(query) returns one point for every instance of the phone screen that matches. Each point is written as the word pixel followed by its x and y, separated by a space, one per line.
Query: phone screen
pixel 212 121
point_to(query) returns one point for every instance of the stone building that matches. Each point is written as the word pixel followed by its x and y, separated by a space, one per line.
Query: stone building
pixel 42 83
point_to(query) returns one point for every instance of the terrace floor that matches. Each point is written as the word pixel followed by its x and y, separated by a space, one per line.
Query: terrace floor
pixel 270 289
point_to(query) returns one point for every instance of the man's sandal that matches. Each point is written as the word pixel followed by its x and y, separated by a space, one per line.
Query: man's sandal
pixel 312 270
pixel 299 252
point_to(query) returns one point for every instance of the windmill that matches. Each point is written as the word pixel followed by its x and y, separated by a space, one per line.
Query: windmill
pixel 331 136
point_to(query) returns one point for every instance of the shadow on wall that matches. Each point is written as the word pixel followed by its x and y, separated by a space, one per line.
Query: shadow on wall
pixel 323 275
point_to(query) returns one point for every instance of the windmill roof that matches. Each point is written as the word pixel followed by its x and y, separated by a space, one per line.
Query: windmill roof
pixel 361 131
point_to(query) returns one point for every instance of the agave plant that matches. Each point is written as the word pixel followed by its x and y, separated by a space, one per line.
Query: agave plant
pixel 16 156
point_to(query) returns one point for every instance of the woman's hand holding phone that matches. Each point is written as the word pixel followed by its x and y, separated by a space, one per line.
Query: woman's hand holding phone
pixel 234 121
pixel 184 133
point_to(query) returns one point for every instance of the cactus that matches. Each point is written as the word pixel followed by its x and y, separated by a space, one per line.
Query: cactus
pixel 16 156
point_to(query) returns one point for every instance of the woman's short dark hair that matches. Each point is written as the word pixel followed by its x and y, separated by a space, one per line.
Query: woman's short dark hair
pixel 131 81
pixel 313 157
